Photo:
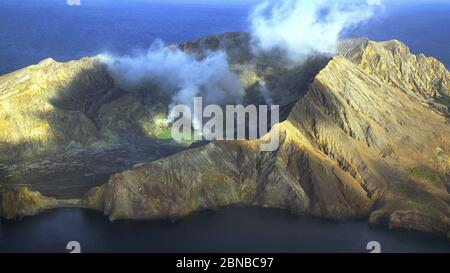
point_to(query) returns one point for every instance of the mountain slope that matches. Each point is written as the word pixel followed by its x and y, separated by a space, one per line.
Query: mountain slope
pixel 350 147
pixel 49 105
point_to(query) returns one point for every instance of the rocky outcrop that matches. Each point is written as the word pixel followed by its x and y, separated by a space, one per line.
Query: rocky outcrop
pixel 24 202
pixel 393 63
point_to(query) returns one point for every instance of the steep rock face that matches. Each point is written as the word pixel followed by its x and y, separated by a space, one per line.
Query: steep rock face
pixel 49 105
pixel 370 129
pixel 392 62
pixel 347 149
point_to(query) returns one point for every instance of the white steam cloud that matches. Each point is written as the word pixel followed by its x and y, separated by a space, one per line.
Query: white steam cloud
pixel 297 28
pixel 180 75
pixel 302 28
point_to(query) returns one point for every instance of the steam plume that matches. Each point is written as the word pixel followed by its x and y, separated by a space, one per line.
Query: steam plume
pixel 180 75
pixel 302 28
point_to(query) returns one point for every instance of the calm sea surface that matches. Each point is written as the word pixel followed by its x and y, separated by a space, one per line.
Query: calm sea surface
pixel 30 32
pixel 228 230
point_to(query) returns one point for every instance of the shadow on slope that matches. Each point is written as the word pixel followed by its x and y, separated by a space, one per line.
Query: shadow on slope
pixel 74 136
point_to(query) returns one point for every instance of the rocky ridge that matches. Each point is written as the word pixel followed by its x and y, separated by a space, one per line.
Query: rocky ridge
pixel 25 202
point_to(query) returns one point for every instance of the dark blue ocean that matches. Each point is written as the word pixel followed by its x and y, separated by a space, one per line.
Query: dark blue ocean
pixel 33 30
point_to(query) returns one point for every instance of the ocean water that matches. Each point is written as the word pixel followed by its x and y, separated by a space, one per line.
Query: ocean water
pixel 33 30
pixel 30 32
pixel 243 230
